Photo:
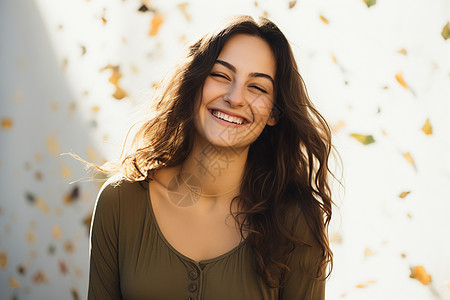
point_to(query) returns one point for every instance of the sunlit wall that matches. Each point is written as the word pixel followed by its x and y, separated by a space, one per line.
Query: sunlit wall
pixel 75 74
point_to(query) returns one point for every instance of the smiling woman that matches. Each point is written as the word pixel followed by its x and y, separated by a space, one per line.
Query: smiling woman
pixel 224 193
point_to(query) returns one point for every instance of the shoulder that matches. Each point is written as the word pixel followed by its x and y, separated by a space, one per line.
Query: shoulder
pixel 115 191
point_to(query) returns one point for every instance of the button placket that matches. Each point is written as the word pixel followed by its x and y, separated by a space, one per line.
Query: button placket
pixel 193 286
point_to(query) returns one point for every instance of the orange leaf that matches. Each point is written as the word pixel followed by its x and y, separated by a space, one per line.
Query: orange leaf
pixel 419 273
pixel 404 194
pixel 182 7
pixel 3 259
pixel 155 24
pixel 325 20
pixel 114 79
pixel 399 77
pixel 427 128
pixel 409 158
pixel 7 123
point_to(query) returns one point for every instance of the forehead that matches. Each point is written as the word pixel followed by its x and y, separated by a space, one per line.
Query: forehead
pixel 249 53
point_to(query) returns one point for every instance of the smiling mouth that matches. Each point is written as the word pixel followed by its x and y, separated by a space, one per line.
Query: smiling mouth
pixel 230 119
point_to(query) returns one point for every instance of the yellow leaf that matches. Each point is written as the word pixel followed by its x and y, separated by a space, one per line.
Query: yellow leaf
pixel 65 172
pixel 114 79
pixel 334 58
pixel 53 145
pixel 338 127
pixel 419 273
pixel 427 128
pixel 42 205
pixel 325 20
pixel 182 7
pixel 368 252
pixel 446 31
pixel 56 231
pixel 13 283
pixel 155 24
pixel 3 259
pixel 409 158
pixel 365 284
pixel 364 139
pixel 404 194
pixel 7 123
pixel 402 51
pixel 399 77
pixel 369 3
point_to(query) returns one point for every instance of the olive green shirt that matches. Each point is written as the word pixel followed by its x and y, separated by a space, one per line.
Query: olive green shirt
pixel 131 259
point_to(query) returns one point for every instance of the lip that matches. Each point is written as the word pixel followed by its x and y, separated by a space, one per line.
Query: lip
pixel 246 120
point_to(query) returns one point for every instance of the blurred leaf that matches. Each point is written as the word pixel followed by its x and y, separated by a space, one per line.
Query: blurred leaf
pixel 21 269
pixel 364 139
pixel 3 259
pixel 13 283
pixel 155 24
pixel 51 249
pixel 75 294
pixel 114 79
pixel 69 247
pixel 63 267
pixel 419 273
pixel 40 203
pixel 30 197
pixel 7 123
pixel 365 284
pixel 39 277
pixel 369 3
pixel 399 77
pixel 73 195
pixel 183 8
pixel 65 172
pixel 143 8
pixel 325 20
pixel 402 51
pixel 404 194
pixel 446 31
pixel 427 128
pixel 409 158
pixel 53 145
pixel 368 252
pixel 292 4
pixel 56 232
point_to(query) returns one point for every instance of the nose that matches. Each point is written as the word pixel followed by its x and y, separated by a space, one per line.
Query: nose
pixel 235 95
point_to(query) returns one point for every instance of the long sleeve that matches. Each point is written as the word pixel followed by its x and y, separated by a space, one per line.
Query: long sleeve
pixel 104 279
pixel 301 282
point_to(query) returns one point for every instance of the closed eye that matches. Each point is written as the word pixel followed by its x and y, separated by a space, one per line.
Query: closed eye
pixel 259 89
pixel 219 75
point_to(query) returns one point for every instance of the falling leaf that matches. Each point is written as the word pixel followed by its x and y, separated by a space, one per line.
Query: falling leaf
pixel 51 249
pixel 39 277
pixel 409 216
pixel 419 273
pixel 30 197
pixel 334 58
pixel 143 8
pixel 183 8
pixel 292 4
pixel 368 252
pixel 56 231
pixel 87 222
pixel 365 284
pixel 22 270
pixel 427 128
pixel 38 175
pixel 114 79
pixel 338 127
pixel 31 237
pixel 325 20
pixel 403 255
pixel 40 203
pixel 7 123
pixel 409 158
pixel 53 145
pixel 369 3
pixel 155 24
pixel 399 77
pixel 336 238
pixel 63 267
pixel 402 51
pixel 65 172
pixel 69 247
pixel 73 195
pixel 446 31
pixel 364 139
pixel 83 50
pixel 13 283
pixel 404 194
pixel 3 260
pixel 75 294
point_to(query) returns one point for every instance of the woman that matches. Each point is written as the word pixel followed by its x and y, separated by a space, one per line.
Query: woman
pixel 224 194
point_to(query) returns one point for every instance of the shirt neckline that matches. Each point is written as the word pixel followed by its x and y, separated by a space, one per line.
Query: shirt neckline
pixel 178 253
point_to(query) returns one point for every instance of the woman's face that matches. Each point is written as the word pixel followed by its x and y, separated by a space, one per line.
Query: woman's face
pixel 238 95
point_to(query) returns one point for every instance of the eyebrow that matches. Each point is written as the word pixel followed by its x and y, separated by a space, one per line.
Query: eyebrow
pixel 253 74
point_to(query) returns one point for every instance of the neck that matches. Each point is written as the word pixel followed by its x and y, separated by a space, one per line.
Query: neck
pixel 218 170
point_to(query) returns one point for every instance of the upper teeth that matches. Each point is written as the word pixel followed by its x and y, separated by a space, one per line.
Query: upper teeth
pixel 228 118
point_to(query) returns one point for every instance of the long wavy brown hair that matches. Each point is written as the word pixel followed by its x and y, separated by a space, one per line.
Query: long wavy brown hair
pixel 286 165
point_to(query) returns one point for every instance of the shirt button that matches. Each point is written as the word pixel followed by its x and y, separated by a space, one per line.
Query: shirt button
pixel 193 275
pixel 189 298
pixel 192 287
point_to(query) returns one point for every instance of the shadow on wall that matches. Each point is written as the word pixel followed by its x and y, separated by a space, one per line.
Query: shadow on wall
pixel 43 219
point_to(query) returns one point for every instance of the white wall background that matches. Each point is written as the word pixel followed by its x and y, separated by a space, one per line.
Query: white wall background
pixel 56 98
